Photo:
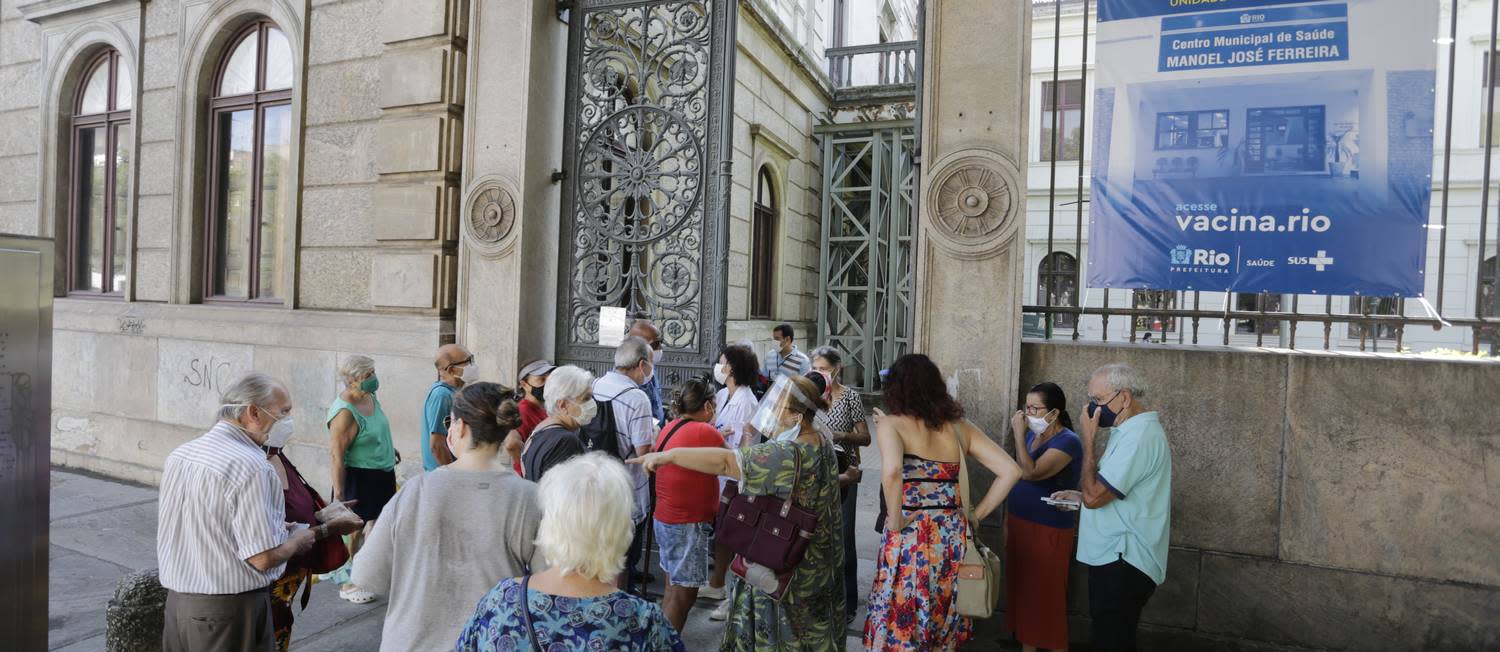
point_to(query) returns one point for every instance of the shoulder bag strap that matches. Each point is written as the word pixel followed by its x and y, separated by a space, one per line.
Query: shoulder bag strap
pixel 963 478
pixel 673 431
pixel 536 645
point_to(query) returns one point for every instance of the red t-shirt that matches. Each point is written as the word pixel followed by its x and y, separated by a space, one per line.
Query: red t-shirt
pixel 531 414
pixel 684 496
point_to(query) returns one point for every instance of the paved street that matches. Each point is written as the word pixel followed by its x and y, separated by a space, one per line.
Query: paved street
pixel 102 530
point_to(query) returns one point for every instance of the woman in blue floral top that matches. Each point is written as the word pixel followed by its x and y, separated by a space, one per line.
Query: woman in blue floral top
pixel 574 604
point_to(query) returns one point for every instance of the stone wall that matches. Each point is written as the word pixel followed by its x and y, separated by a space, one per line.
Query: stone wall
pixel 780 95
pixel 1330 501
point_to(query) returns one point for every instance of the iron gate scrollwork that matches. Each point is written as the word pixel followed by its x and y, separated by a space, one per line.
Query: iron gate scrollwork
pixel 646 142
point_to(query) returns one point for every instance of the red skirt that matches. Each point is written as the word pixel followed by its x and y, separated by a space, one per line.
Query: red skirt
pixel 1036 582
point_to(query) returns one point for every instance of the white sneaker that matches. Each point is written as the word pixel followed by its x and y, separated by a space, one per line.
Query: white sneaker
pixel 720 612
pixel 712 593
pixel 356 595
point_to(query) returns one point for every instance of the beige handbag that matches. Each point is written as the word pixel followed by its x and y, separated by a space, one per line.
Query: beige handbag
pixel 979 572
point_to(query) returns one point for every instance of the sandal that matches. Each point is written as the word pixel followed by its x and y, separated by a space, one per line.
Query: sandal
pixel 356 595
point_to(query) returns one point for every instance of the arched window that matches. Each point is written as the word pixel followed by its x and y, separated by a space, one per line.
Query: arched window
pixel 251 189
pixel 99 206
pixel 763 246
pixel 1058 277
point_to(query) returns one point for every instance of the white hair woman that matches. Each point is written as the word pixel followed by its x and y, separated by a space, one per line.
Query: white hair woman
pixel 364 459
pixel 569 399
pixel 574 605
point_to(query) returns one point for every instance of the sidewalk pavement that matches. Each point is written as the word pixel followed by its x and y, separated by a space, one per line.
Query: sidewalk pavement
pixel 103 529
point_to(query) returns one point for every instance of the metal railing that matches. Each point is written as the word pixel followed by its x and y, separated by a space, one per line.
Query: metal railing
pixel 879 64
pixel 1279 325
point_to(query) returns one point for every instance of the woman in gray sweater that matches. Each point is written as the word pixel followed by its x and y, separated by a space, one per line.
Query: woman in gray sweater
pixel 454 532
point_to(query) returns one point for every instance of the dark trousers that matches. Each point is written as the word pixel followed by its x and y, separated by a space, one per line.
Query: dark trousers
pixel 851 558
pixel 1117 594
pixel 637 549
pixel 220 623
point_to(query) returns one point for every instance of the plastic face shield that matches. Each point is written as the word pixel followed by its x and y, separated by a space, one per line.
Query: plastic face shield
pixel 777 408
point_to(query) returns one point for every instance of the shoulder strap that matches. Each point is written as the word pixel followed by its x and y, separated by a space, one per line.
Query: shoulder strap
pixel 673 431
pixel 536 645
pixel 963 477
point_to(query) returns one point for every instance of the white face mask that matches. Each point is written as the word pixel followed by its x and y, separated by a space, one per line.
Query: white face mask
pixel 280 433
pixel 656 356
pixel 586 412
pixel 790 432
pixel 721 373
pixel 471 373
pixel 1038 424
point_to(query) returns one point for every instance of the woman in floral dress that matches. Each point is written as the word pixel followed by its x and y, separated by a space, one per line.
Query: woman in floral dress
pixel 798 462
pixel 916 578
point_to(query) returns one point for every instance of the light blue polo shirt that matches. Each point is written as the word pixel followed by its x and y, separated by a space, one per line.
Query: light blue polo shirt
pixel 1136 525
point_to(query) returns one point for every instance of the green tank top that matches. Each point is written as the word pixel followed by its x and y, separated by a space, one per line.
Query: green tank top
pixel 372 447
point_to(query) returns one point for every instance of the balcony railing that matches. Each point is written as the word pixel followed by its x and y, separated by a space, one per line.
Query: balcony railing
pixel 882 71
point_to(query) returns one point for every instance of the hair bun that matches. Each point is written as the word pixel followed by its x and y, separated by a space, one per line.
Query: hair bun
pixel 508 414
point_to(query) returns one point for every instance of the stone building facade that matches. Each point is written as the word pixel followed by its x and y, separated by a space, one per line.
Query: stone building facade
pixel 378 145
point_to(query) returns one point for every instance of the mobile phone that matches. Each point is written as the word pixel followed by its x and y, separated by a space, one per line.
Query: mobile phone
pixel 1066 504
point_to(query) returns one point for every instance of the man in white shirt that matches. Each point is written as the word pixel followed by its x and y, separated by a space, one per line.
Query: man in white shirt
pixel 634 426
pixel 221 537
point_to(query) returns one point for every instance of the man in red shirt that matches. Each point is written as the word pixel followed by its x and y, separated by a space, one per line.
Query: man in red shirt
pixel 530 381
pixel 686 502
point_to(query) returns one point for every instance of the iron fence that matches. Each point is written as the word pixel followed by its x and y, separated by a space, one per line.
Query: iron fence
pixel 1372 319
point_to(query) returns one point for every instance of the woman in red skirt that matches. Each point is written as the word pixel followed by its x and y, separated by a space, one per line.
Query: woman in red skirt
pixel 1039 538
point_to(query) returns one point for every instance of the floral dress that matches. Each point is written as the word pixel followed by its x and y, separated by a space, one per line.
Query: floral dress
pixel 615 622
pixel 810 615
pixel 916 579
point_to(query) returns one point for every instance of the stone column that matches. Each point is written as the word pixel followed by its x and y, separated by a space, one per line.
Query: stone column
pixel 968 291
pixel 417 153
pixel 508 272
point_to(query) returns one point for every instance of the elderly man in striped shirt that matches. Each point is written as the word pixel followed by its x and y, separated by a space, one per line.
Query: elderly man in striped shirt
pixel 221 539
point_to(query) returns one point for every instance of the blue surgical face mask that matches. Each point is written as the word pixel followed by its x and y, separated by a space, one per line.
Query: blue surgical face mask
pixel 789 433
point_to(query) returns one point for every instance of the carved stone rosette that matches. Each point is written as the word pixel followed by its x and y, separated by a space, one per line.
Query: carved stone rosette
pixel 490 218
pixel 974 198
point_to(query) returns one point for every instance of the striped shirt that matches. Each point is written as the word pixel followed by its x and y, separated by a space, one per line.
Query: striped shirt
pixel 794 363
pixel 220 504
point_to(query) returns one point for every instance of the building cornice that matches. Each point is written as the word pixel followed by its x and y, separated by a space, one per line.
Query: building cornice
pixel 39 11
pixel 761 11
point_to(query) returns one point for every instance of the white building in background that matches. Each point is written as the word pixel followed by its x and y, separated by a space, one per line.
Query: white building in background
pixel 1062 266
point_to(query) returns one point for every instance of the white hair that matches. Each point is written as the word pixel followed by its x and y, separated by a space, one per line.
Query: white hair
pixel 586 516
pixel 254 388
pixel 565 383
pixel 1120 377
pixel 356 367
pixel 631 352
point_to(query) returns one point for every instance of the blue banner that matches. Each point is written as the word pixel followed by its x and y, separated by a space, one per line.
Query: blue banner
pixel 1242 145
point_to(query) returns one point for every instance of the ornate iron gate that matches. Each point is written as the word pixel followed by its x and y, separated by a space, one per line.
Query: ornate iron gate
pixel 864 303
pixel 646 145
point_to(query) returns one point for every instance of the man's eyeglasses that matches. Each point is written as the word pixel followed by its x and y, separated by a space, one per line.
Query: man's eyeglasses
pixel 463 363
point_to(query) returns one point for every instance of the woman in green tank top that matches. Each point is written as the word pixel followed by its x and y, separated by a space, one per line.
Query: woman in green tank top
pixel 364 460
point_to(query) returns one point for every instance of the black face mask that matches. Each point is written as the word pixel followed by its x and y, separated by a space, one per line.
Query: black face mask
pixel 1106 415
pixel 536 392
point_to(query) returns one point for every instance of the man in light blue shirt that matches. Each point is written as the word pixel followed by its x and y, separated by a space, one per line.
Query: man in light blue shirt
pixel 454 365
pixel 1126 493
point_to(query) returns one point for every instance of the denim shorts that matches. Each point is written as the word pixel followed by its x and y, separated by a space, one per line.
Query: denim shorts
pixel 686 552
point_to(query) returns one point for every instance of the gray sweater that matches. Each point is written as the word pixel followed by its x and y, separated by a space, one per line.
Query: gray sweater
pixel 442 542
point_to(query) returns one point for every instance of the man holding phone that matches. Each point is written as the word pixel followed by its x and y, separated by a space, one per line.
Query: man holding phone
pixel 1126 495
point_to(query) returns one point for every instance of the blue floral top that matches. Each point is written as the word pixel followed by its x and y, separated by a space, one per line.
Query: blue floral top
pixel 618 621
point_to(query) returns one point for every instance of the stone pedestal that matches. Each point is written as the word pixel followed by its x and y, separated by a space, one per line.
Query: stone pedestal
pixel 509 212
pixel 973 192
pixel 136 615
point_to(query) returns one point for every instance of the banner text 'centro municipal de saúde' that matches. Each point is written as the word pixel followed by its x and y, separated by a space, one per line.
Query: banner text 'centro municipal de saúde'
pixel 1263 145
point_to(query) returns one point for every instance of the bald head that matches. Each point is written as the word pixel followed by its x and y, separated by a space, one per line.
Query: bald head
pixel 644 329
pixel 449 355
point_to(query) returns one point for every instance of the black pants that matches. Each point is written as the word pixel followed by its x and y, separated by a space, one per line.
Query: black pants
pixel 1117 594
pixel 636 551
pixel 851 557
